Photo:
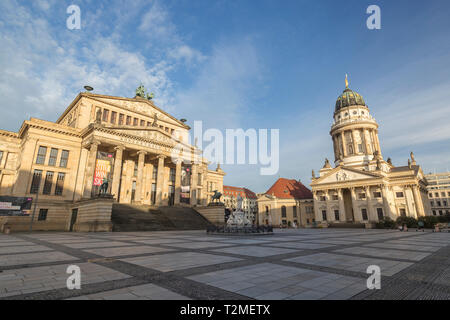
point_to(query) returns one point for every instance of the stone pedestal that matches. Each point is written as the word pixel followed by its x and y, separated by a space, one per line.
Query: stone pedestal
pixel 214 213
pixel 94 214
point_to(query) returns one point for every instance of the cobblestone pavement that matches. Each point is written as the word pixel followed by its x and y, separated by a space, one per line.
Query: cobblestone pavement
pixel 291 264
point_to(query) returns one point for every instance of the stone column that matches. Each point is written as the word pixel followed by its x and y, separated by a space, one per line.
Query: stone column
pixel 117 171
pixel 90 168
pixel 194 172
pixel 344 146
pixel 418 202
pixel 377 142
pixel 140 176
pixel 387 207
pixel 370 214
pixel 367 142
pixel 330 215
pixel 160 180
pixel 342 215
pixel 178 181
pixel 356 214
pixel 355 144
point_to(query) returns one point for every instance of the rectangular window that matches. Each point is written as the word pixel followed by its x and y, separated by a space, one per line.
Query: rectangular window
pixel 199 179
pixel 360 148
pixel 324 215
pixel 128 120
pixel 377 194
pixel 380 213
pixel 64 159
pixel 53 157
pixel 121 117
pixel 105 115
pixel 430 195
pixel 434 212
pixel 335 197
pixel 42 214
pixel 364 214
pixel 149 124
pixel 135 122
pixel 155 172
pixel 60 184
pixel 37 174
pixel 436 195
pixel 443 194
pixel 294 211
pixel 361 196
pixel 135 173
pixel 323 198
pixel 113 117
pixel 432 203
pixel 48 183
pixel 438 203
pixel 172 175
pixel 142 123
pixel 42 152
pixel 336 215
pixel 399 194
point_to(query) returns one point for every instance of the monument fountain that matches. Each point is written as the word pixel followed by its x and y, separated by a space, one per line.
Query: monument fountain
pixel 239 224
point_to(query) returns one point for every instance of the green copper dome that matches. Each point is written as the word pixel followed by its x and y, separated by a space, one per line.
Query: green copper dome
pixel 349 98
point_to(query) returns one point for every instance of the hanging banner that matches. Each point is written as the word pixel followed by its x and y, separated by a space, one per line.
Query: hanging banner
pixel 103 167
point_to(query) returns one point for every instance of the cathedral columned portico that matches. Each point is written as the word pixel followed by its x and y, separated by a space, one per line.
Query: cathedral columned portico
pixel 363 187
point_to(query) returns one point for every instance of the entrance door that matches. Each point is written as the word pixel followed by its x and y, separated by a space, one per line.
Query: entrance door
pixel 171 195
pixel 133 191
pixel 348 205
pixel 73 219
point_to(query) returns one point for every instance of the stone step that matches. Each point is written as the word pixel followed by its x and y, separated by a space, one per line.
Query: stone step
pixel 130 217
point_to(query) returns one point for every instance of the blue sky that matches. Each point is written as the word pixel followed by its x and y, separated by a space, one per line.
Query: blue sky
pixel 242 64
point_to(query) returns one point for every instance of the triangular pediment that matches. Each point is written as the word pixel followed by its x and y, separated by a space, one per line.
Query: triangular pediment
pixel 341 174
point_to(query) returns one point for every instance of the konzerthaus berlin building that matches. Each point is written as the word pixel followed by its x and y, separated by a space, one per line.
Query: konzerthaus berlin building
pixel 128 142
pixel 363 187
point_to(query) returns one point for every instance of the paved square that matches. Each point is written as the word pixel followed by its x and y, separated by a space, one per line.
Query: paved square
pixel 351 263
pixel 176 261
pixel 255 251
pixel 291 264
pixel 271 281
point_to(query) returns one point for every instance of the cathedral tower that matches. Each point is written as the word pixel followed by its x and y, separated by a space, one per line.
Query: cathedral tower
pixel 354 132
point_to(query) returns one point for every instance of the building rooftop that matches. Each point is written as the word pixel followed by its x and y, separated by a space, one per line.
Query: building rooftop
pixel 234 191
pixel 289 189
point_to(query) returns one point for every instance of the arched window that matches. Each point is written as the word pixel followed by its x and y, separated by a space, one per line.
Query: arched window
pixel 283 212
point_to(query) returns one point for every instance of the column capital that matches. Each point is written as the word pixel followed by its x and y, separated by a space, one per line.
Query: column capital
pixel 142 152
pixel 160 156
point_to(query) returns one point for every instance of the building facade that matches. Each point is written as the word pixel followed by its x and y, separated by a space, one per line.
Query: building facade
pixel 141 151
pixel 249 201
pixel 288 203
pixel 439 193
pixel 362 187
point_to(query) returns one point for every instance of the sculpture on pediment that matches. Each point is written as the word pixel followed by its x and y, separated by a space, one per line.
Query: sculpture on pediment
pixel 141 92
pixel 313 174
pixel 413 160
pixel 155 120
pixel 327 163
pixel 341 176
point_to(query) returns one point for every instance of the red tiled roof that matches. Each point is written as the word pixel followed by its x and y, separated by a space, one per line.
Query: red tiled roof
pixel 289 189
pixel 234 191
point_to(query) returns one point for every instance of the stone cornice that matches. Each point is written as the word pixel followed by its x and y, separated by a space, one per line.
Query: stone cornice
pixel 48 126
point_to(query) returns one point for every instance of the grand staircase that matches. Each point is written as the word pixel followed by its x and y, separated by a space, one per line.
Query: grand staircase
pixel 128 217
